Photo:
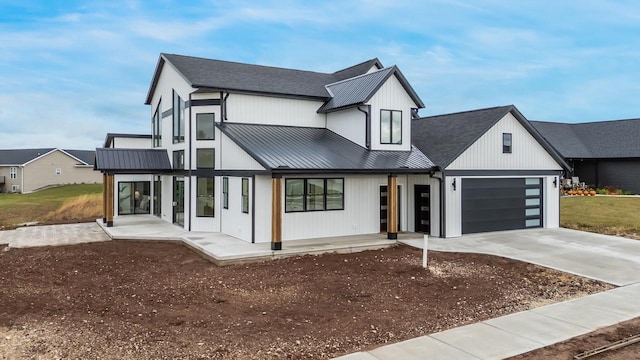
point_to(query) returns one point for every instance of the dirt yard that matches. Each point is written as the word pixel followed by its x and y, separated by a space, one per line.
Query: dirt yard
pixel 132 300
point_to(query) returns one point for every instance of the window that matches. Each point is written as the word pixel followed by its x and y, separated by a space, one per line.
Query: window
pixel 178 118
pixel 314 194
pixel 13 172
pixel 205 158
pixel 245 195
pixel 225 192
pixel 506 143
pixel 15 188
pixel 390 127
pixel 133 197
pixel 204 127
pixel 157 196
pixel 156 127
pixel 178 159
pixel 58 171
pixel 205 197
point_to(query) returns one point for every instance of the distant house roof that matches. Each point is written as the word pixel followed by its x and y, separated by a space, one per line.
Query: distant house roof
pixel 358 90
pixel 132 161
pixel 16 157
pixel 233 76
pixel 594 140
pixel 302 149
pixel 111 136
pixel 443 138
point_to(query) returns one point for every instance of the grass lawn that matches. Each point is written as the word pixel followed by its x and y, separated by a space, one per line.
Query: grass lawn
pixel 21 208
pixel 611 215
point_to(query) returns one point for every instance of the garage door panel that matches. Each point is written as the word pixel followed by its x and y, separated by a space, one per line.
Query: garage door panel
pixel 483 204
pixel 510 192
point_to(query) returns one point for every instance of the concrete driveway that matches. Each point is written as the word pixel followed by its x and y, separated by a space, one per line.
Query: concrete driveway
pixel 611 259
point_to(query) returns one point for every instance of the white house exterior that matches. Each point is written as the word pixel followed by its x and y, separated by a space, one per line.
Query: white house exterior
pixel 269 154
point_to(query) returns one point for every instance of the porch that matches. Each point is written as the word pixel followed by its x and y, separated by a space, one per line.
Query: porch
pixel 223 249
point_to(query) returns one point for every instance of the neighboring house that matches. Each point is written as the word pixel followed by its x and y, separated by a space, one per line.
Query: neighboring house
pixel 27 170
pixel 604 153
pixel 268 154
pixel 497 171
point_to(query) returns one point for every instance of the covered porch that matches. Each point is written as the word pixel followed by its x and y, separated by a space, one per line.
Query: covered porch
pixel 223 249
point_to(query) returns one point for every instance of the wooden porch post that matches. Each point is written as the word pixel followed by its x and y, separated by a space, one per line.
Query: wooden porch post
pixel 104 198
pixel 109 200
pixel 392 207
pixel 276 213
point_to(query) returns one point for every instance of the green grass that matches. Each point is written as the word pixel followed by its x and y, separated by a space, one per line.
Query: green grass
pixel 610 215
pixel 21 208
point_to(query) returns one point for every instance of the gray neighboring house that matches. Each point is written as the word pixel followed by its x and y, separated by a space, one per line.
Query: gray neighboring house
pixel 27 170
pixel 604 153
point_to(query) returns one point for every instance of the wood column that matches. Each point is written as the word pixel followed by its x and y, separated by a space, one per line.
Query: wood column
pixel 392 207
pixel 104 198
pixel 109 200
pixel 276 213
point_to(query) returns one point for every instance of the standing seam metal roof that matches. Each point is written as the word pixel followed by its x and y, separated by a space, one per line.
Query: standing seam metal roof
pixel 132 161
pixel 304 148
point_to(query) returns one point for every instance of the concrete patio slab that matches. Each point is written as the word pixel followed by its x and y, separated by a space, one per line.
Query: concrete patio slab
pixel 424 347
pixel 53 235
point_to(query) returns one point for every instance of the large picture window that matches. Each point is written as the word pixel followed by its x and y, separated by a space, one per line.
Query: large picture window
pixel 156 127
pixel 205 158
pixel 204 127
pixel 390 127
pixel 178 118
pixel 205 197
pixel 133 197
pixel 245 195
pixel 314 194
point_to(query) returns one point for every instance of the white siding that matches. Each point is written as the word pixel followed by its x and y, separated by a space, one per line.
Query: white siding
pixel 263 208
pixel 233 157
pixel 204 223
pixel 435 201
pixel 486 152
pixel 350 123
pixel 234 221
pixel 253 109
pixel 167 198
pixel 131 143
pixel 551 203
pixel 453 206
pixel 391 96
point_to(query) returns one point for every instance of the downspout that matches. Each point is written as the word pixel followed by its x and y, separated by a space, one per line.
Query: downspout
pixel 442 203
pixel 224 107
pixel 367 118
pixel 22 180
pixel 189 172
pixel 221 167
pixel 253 209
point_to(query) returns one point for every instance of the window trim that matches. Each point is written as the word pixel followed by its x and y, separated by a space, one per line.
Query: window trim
pixel 391 127
pixel 13 172
pixel 507 149
pixel 305 194
pixel 245 196
pixel 225 192
pixel 58 171
pixel 213 197
pixel 213 126
pixel 213 150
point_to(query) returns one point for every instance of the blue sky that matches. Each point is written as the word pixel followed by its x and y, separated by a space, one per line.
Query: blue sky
pixel 71 71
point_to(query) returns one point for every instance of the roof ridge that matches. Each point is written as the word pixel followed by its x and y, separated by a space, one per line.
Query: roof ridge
pixel 374 60
pixel 363 75
pixel 464 112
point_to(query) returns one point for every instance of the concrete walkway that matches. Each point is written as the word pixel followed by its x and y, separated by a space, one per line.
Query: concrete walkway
pixel 607 258
pixel 52 235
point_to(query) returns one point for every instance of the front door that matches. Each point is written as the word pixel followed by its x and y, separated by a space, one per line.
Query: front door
pixel 178 201
pixel 423 208
pixel 383 208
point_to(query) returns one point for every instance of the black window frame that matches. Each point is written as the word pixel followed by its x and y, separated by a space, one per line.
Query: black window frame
pixel 201 166
pixel 138 200
pixel 156 126
pixel 507 137
pixel 245 195
pixel 225 192
pixel 157 196
pixel 178 118
pixel 211 197
pixel 305 195
pixel 391 127
pixel 213 127
pixel 178 160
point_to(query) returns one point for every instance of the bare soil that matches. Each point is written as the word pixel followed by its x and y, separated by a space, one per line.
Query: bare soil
pixel 132 300
pixel 570 348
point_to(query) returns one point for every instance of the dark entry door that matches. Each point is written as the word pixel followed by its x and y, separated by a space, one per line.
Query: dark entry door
pixel 383 208
pixel 178 201
pixel 423 208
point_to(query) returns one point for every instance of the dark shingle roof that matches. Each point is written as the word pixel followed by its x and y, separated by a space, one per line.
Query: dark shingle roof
pixel 594 140
pixel 86 156
pixel 21 156
pixel 226 75
pixel 358 90
pixel 283 148
pixel 443 138
pixel 132 161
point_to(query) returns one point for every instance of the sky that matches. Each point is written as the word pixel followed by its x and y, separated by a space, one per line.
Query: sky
pixel 72 71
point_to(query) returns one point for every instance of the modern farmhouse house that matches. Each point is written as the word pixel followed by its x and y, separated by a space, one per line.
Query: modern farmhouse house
pixel 268 154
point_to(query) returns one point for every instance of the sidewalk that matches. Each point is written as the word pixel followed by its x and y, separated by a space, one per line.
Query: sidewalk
pixel 517 333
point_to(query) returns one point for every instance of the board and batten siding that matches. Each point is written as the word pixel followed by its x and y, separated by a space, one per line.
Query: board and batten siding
pixel 233 221
pixel 232 157
pixel 263 208
pixel 391 96
pixel 253 109
pixel 486 153
pixel 350 123
pixel 131 143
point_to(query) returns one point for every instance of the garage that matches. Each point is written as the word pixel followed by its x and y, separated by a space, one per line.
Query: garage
pixel 494 204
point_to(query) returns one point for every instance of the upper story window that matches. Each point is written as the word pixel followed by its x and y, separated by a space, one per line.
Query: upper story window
pixel 178 118
pixel 13 172
pixel 205 158
pixel 178 159
pixel 204 126
pixel 506 143
pixel 156 126
pixel 390 127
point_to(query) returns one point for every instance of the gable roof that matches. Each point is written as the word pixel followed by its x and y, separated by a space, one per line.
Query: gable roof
pixel 443 138
pixel 132 161
pixel 358 90
pixel 86 156
pixel 302 149
pixel 594 140
pixel 16 157
pixel 233 76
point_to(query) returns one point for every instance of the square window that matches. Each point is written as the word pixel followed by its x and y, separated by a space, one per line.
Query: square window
pixel 205 158
pixel 506 143
pixel 205 127
pixel 58 171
